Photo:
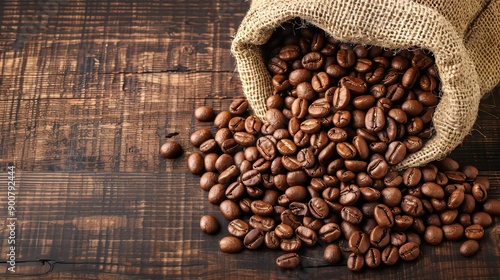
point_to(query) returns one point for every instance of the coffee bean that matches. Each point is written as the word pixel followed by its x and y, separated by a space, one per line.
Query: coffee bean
pixel 253 239
pixel 320 108
pixel 230 210
pixel 298 76
pixel 332 254
pixel 346 58
pixel 288 261
pixel 432 190
pixel 196 164
pixel 271 240
pixel 230 244
pixel 390 255
pixel 313 61
pixel 453 232
pixel 349 195
pixel 375 119
pixel 383 216
pixel 409 251
pixel 352 215
pixel 469 248
pixel 474 232
pixel 479 192
pixel 208 224
pixel 359 242
pixel 238 228
pixel 208 146
pixel 355 262
pixel 266 148
pixel 492 206
pixel 411 205
pixel 292 244
pixel 482 218
pixel 318 208
pixel 170 149
pixel 396 152
pixel 306 235
pixel 200 136
pixel 204 114
pixel 222 119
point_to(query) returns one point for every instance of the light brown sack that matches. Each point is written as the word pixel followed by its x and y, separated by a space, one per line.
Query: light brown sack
pixel 463 35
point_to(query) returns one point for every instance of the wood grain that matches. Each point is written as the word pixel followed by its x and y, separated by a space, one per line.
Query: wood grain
pixel 88 92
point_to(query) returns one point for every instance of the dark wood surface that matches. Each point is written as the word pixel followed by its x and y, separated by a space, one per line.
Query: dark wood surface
pixel 88 92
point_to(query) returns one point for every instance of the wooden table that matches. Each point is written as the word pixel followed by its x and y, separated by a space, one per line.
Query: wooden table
pixel 88 92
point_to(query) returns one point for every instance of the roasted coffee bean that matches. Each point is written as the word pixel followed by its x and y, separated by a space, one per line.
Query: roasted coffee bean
pixel 373 258
pixel 341 98
pixel 456 199
pixel 396 152
pixel 238 228
pixel 359 242
pixel 306 235
pixel 299 208
pixel 238 107
pixel 469 248
pixel 254 239
pixel 390 255
pixel 245 139
pixel 482 218
pixel 310 126
pixel 196 164
pixel 266 148
pixel 398 238
pixel 204 114
pixel 492 206
pixel 229 174
pixel 448 216
pixel 411 205
pixel 200 136
pixel 286 147
pixel 217 194
pixel 378 168
pixel 292 244
pixel 351 214
pixel 289 52
pixel 318 208
pixel 349 195
pixel 208 180
pixel 305 157
pixel 170 149
pixel 209 224
pixel 432 190
pixel 453 232
pixel 375 119
pixel 298 76
pixel 410 77
pixel 271 240
pixel 313 61
pixel 355 262
pixel 474 232
pixel 346 58
pixel 433 235
pixel 288 261
pixel 346 150
pixel 261 208
pixel 380 237
pixel 235 190
pixel 355 85
pixel 383 216
pixel 409 251
pixel 230 244
pixel 209 162
pixel 230 146
pixel 284 231
pixel 332 254
pixel 363 65
pixel 208 146
pixel 479 192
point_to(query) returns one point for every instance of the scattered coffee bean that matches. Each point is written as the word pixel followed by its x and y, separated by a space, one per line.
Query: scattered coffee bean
pixel 204 114
pixel 170 149
pixel 208 224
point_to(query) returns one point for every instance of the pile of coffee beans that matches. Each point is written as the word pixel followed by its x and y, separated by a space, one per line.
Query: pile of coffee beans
pixel 320 168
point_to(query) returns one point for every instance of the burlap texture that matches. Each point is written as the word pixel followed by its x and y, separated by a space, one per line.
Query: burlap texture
pixel 446 28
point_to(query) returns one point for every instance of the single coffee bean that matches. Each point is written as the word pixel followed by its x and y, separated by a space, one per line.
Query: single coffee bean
pixel 482 218
pixel 254 239
pixel 474 232
pixel 469 248
pixel 346 150
pixel 208 146
pixel 409 251
pixel 411 205
pixel 266 148
pixel 383 216
pixel 170 149
pixel 313 61
pixel 398 238
pixel 341 98
pixel 292 244
pixel 359 242
pixel 355 262
pixel 470 172
pixel 271 240
pixel 373 258
pixel 209 224
pixel 349 195
pixel 433 235
pixel 230 210
pixel 346 58
pixel 479 192
pixel 217 194
pixel 453 232
pixel 318 208
pixel 492 206
pixel 204 114
pixel 289 53
pixel 230 244
pixel 222 119
pixel 200 136
pixel 288 261
pixel 196 164
pixel 329 232
pixel 208 180
pixel 238 107
pixel 306 235
pixel 380 237
pixel 238 228
pixel 410 77
pixel 375 119
pixel 432 190
pixel 352 215
pixel 299 75
pixel 286 147
pixel 320 108
pixel 332 254
pixel 448 216
pixel 378 168
pixel 396 152
pixel 390 255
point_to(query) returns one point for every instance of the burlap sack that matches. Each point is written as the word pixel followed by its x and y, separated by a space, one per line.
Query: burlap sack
pixel 463 35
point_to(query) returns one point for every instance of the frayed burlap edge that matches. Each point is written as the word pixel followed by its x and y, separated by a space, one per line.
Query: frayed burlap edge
pixel 395 24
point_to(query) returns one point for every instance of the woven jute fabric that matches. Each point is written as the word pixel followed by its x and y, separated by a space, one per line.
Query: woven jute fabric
pixel 463 35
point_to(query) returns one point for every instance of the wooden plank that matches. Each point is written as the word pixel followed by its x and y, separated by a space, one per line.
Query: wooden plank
pixel 88 92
